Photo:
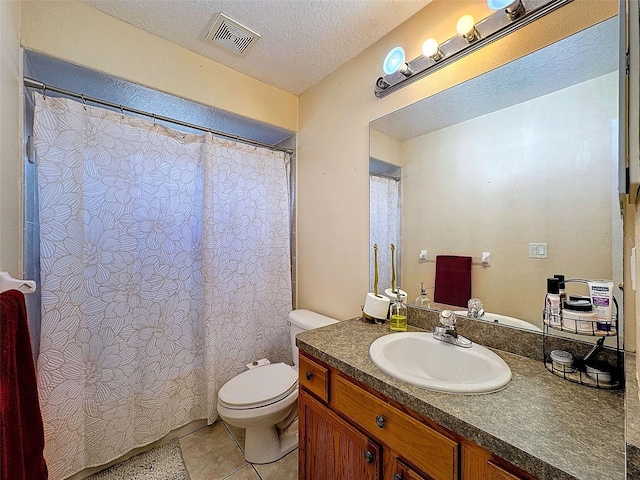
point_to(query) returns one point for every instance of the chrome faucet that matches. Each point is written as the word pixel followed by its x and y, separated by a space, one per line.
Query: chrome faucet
pixel 447 332
pixel 475 309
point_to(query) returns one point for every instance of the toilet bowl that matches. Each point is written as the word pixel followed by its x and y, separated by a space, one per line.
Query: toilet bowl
pixel 264 400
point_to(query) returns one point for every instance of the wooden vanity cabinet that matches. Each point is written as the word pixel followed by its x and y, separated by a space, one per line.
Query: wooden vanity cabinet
pixel 348 431
pixel 330 448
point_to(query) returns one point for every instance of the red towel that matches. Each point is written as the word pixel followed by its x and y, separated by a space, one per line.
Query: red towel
pixel 453 280
pixel 21 430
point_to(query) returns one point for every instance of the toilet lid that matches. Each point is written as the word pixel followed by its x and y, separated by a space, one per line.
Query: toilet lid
pixel 259 386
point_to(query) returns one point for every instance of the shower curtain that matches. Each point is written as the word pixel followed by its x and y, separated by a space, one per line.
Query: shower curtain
pixel 165 268
pixel 384 228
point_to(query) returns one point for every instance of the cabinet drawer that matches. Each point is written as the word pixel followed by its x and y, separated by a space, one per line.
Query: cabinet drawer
pixel 427 449
pixel 314 377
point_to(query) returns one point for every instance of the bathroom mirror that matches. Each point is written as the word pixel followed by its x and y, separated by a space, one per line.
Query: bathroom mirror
pixel 521 162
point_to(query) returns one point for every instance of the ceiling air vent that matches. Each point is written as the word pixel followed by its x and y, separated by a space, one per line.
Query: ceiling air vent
pixel 232 35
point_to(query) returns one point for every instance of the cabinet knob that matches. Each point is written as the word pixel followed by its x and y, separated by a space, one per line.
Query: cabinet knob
pixel 368 456
pixel 308 375
pixel 397 476
pixel 380 421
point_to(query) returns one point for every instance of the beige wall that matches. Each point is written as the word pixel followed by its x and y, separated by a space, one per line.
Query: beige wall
pixel 10 138
pixel 462 185
pixel 77 33
pixel 333 140
pixel 385 148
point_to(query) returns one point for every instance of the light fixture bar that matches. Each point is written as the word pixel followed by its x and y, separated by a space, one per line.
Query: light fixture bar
pixel 493 27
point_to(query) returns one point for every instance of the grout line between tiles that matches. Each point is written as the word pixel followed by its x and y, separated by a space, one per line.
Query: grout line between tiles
pixel 232 436
pixel 254 469
pixel 237 470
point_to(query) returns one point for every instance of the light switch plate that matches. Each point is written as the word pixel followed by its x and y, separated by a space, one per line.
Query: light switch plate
pixel 538 250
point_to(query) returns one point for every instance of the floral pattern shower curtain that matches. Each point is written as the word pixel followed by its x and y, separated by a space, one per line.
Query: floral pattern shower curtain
pixel 164 269
pixel 384 228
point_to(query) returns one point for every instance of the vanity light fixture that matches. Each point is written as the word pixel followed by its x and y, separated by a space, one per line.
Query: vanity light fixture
pixel 509 15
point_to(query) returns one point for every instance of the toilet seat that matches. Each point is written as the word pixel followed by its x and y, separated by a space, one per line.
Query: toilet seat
pixel 259 387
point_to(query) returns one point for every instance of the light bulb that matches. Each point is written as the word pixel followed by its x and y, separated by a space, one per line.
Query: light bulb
pixel 393 61
pixel 499 4
pixel 430 48
pixel 465 24
pixel 466 27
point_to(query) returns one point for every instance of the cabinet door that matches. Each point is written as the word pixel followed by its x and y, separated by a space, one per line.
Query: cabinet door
pixel 402 471
pixel 478 464
pixel 498 473
pixel 331 449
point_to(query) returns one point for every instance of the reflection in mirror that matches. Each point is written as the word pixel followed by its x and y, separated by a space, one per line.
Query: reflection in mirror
pixel 384 220
pixel 524 154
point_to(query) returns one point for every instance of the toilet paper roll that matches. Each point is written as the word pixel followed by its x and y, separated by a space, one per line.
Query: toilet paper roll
pixel 392 294
pixel 376 306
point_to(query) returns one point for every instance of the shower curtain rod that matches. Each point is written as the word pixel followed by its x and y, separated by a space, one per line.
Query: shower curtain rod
pixel 31 83
pixel 383 175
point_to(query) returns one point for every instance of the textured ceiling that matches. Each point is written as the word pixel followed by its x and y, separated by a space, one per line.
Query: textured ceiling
pixel 302 41
pixel 578 58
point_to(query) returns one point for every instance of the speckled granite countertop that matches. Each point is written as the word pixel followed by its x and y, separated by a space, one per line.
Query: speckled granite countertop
pixel 632 409
pixel 547 426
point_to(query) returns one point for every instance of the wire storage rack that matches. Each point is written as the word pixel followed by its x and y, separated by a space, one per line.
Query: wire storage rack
pixel 602 367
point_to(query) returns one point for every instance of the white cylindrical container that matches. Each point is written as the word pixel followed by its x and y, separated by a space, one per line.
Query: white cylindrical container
pixel 562 361
pixel 579 321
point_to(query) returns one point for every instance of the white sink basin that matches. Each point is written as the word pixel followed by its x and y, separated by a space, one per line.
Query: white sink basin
pixel 420 359
pixel 502 320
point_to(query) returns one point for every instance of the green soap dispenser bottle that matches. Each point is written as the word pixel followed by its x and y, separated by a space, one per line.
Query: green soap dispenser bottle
pixel 423 300
pixel 398 317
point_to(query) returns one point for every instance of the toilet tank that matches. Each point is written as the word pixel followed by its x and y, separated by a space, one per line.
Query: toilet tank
pixel 303 320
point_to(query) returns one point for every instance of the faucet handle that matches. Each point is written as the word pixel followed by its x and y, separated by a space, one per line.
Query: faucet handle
pixel 448 319
pixel 475 309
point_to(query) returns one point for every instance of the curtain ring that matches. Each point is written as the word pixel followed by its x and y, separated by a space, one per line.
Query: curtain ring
pixel 121 111
pixel 44 90
pixel 154 119
pixel 84 102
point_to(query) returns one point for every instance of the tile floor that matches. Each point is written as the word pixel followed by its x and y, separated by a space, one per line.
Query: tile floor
pixel 216 453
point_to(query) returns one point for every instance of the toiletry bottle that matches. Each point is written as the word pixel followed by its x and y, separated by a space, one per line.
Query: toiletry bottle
pixel 398 318
pixel 562 288
pixel 553 307
pixel 602 298
pixel 423 300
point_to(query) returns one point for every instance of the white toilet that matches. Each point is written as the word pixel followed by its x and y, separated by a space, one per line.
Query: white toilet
pixel 264 400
